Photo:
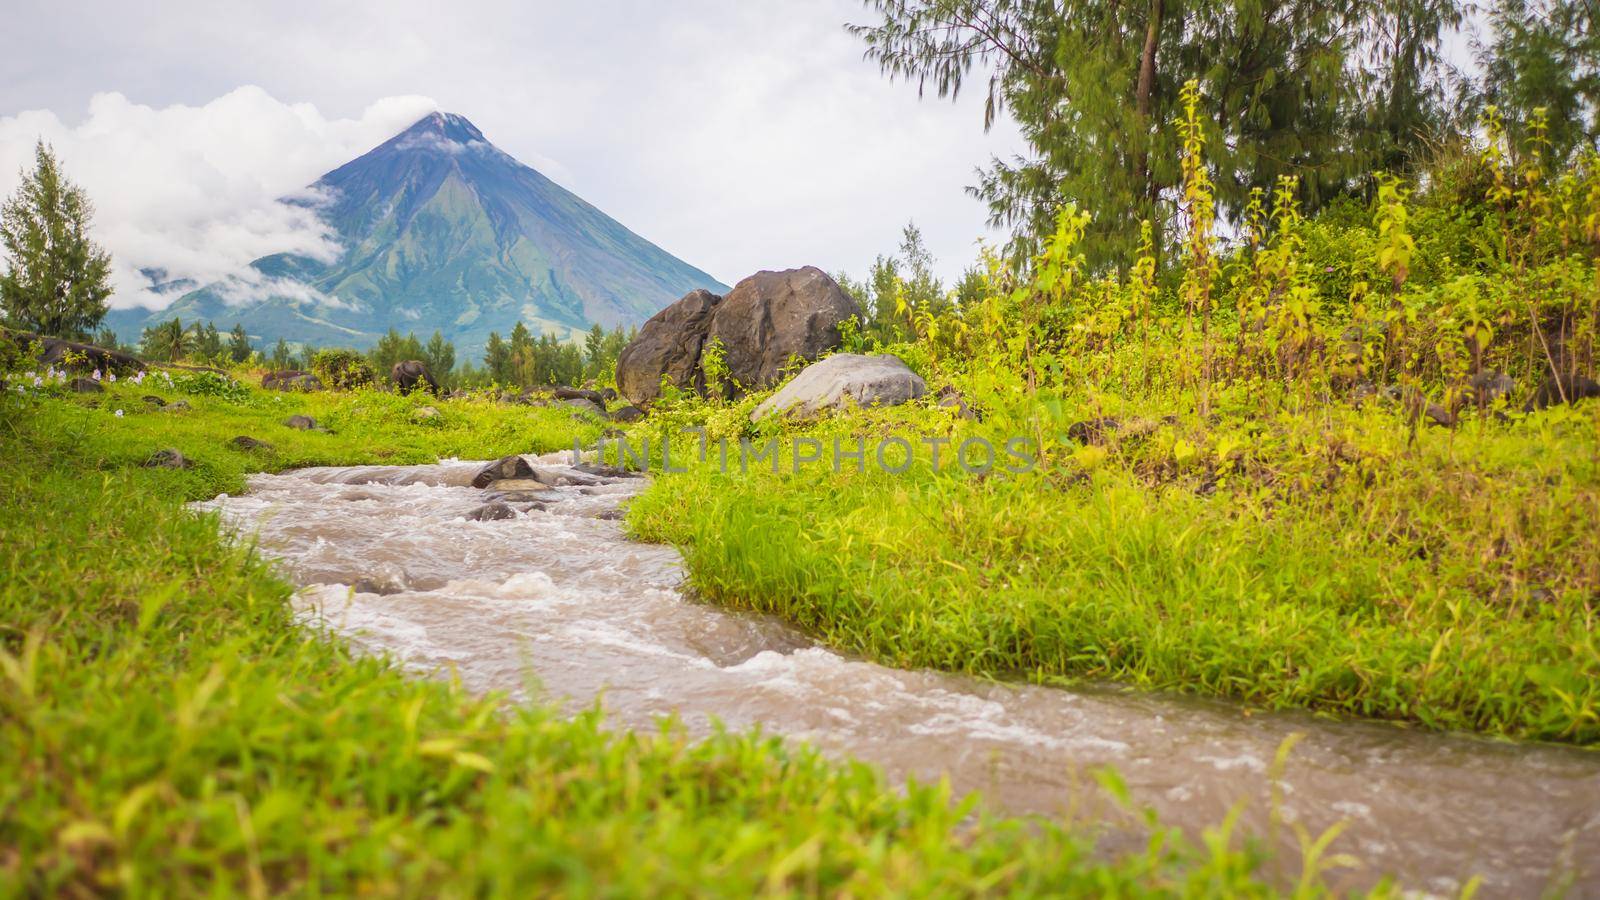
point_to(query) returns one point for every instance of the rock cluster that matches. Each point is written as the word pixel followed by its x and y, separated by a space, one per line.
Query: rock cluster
pixel 767 321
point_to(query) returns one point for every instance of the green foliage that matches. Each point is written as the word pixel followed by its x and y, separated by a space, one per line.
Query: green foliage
pixel 167 729
pixel 1324 91
pixel 343 369
pixel 1278 474
pixel 57 279
pixel 1544 56
pixel 239 349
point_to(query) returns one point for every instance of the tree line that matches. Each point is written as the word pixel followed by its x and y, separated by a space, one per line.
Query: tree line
pixel 1327 91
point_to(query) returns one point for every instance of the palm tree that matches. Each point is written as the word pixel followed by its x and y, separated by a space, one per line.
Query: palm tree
pixel 169 341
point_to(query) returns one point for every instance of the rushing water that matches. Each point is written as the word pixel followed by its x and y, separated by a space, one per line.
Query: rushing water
pixel 390 558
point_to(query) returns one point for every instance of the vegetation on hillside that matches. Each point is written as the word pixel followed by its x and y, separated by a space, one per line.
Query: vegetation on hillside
pixel 166 728
pixel 1333 465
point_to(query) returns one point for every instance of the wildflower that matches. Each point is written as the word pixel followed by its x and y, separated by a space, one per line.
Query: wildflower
pixel 37 382
pixel 96 375
pixel 112 376
pixel 119 414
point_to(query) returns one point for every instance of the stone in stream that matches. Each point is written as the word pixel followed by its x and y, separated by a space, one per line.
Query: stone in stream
pixel 492 512
pixel 844 380
pixel 604 471
pixel 168 458
pixel 502 468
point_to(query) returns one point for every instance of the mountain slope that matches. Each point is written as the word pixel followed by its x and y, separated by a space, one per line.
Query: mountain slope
pixel 442 230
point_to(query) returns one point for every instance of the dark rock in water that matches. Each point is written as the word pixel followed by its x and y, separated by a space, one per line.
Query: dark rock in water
pixel 503 468
pixel 1092 431
pixel 611 514
pixel 244 442
pixel 85 386
pixel 529 499
pixel 301 423
pixel 153 400
pixel 492 512
pixel 382 586
pixel 1567 389
pixel 627 414
pixel 565 478
pixel 291 380
pixel 168 458
pixel 771 318
pixel 604 471
pixel 669 345
pixel 410 374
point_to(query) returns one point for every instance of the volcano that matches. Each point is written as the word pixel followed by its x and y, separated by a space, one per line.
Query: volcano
pixel 440 229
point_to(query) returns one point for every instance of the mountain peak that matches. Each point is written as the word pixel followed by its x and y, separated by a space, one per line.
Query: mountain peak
pixel 448 127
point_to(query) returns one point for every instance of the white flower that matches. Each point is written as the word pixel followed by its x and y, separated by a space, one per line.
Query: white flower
pixel 119 413
pixel 112 375
pixel 37 382
pixel 96 375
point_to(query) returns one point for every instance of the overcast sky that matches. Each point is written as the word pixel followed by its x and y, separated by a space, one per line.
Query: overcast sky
pixel 737 134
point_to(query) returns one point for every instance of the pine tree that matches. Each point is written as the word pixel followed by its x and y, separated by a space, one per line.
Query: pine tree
pixel 57 279
pixel 1545 54
pixel 497 359
pixel 207 342
pixel 282 356
pixel 440 355
pixel 238 344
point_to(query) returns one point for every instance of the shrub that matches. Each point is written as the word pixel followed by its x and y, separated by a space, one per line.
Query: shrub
pixel 343 369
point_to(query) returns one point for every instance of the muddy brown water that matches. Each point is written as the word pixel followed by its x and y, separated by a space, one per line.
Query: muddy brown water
pixel 388 558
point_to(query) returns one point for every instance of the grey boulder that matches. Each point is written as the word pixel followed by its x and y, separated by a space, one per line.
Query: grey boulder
pixel 773 317
pixel 844 380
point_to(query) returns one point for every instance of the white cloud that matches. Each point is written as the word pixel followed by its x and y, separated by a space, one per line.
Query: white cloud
pixel 736 135
pixel 194 191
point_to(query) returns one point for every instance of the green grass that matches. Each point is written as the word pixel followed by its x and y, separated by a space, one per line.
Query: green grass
pixel 166 729
pixel 1319 558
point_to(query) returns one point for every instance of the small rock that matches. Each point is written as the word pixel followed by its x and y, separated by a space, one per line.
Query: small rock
pixel 627 414
pixel 301 423
pixel 585 405
pixel 492 512
pixel 595 397
pixel 1091 431
pixel 177 406
pixel 424 413
pixel 85 386
pixel 168 458
pixel 1489 386
pixel 604 471
pixel 247 443
pixel 506 467
pixel 1568 389
pixel 950 398
pixel 608 394
pixel 153 400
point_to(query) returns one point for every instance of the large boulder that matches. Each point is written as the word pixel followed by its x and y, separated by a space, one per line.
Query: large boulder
pixel 843 380
pixel 411 374
pixel 291 380
pixel 764 322
pixel 773 317
pixel 78 357
pixel 669 344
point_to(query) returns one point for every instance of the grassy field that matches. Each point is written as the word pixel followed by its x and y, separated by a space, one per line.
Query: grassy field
pixel 166 729
pixel 1317 562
